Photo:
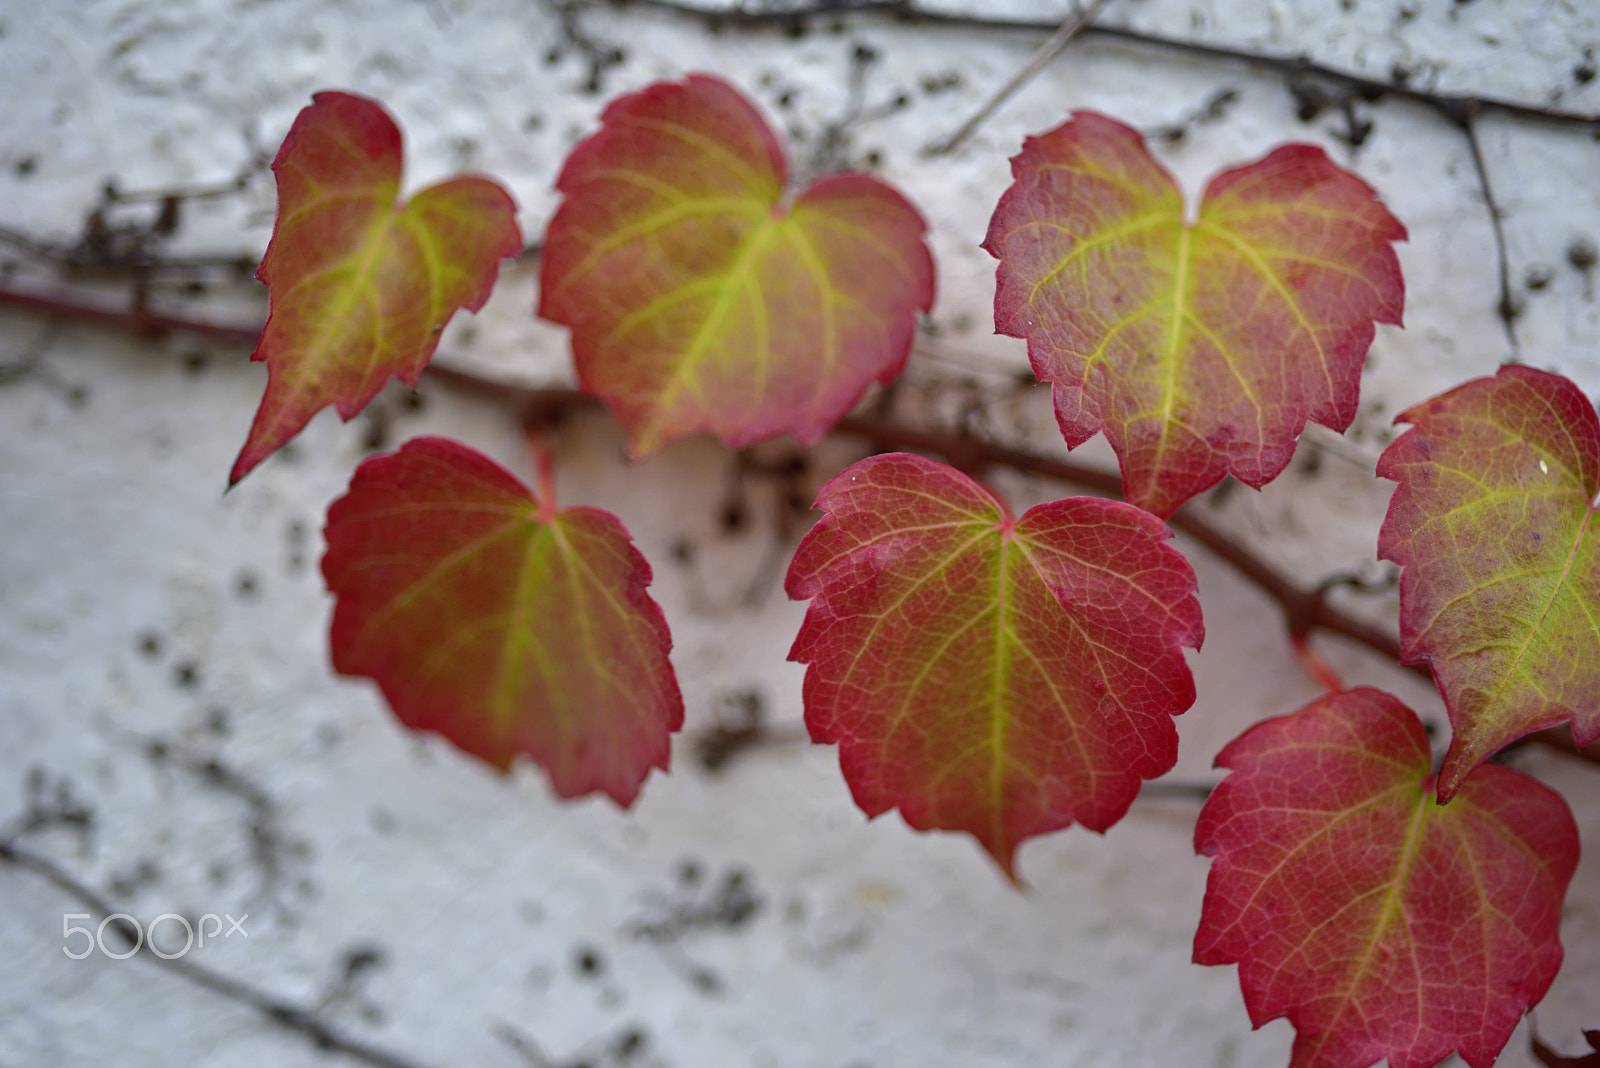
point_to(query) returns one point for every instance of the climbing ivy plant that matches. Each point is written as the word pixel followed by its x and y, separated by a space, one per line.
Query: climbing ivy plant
pixel 980 671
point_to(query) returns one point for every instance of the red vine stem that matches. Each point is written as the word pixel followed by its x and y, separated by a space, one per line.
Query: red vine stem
pixel 544 463
pixel 1318 668
pixel 1304 611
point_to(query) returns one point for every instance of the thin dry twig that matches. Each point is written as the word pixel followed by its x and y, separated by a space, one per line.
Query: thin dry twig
pixel 297 1018
pixel 1507 308
pixel 1294 66
pixel 1072 27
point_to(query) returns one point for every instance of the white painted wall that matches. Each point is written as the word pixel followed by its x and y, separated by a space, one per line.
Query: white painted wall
pixel 872 945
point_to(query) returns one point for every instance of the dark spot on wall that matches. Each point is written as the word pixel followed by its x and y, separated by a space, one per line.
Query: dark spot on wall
pixel 246 584
pixel 25 166
pixel 144 873
pixel 588 962
pixel 216 722
pixel 630 1043
pixel 150 644
pixel 1310 99
pixel 186 674
pixel 295 534
pixel 1581 254
pixel 378 427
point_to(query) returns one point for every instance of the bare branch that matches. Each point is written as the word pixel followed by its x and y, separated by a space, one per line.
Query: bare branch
pixel 1074 25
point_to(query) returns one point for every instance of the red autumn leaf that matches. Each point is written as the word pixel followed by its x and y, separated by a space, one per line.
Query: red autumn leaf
pixel 1004 677
pixel 500 622
pixel 1200 348
pixel 1380 923
pixel 361 286
pixel 1493 524
pixel 699 300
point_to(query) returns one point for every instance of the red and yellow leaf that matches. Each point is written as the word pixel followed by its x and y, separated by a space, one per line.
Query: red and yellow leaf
pixel 500 622
pixel 1493 523
pixel 1004 677
pixel 699 300
pixel 1201 348
pixel 361 286
pixel 1380 923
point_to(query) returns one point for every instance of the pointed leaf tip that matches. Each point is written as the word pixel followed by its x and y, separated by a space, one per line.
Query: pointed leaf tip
pixel 1200 348
pixel 1002 679
pixel 698 301
pixel 501 626
pixel 362 286
pixel 1493 525
pixel 1381 924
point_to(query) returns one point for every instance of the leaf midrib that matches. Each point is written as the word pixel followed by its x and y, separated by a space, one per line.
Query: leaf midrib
pixel 1390 906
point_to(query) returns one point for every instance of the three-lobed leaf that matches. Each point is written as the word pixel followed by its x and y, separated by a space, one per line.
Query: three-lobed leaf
pixel 1004 677
pixel 699 300
pixel 500 622
pixel 1493 523
pixel 1381 923
pixel 361 286
pixel 1200 348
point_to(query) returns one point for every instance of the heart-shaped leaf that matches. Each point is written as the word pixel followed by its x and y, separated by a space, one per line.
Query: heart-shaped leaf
pixel 698 300
pixel 1493 523
pixel 1004 677
pixel 1201 348
pixel 500 622
pixel 362 286
pixel 1379 922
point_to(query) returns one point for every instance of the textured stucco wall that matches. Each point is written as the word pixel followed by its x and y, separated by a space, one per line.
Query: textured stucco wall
pixel 162 645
